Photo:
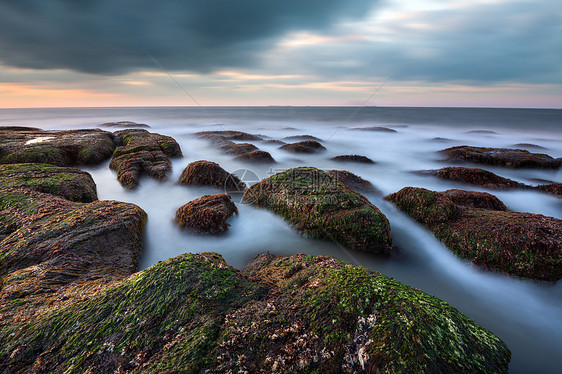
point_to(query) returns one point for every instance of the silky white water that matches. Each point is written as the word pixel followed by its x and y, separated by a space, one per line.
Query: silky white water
pixel 527 315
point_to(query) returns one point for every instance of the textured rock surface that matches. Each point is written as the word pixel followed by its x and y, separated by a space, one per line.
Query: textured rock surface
pixel 511 158
pixel 553 188
pixel 320 206
pixel 126 125
pixel 306 146
pixel 353 181
pixel 141 153
pixel 476 227
pixel 257 157
pixel 302 137
pixel 228 135
pixel 207 173
pixel 69 183
pixel 207 215
pixel 61 148
pixel 353 158
pixel 475 176
pixel 194 313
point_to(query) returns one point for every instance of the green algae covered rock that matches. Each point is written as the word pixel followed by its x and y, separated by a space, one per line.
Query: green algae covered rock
pixel 477 226
pixel 320 206
pixel 61 148
pixel 69 183
pixel 194 313
pixel 142 152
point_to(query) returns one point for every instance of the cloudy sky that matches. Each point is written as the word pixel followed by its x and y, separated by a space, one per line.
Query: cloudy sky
pixel 503 53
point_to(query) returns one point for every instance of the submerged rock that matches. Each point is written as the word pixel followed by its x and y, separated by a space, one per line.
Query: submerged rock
pixel 553 188
pixel 320 206
pixel 237 148
pixel 475 176
pixel 143 152
pixel 307 146
pixel 477 227
pixel 375 129
pixel 352 181
pixel 353 158
pixel 302 137
pixel 273 141
pixel 69 183
pixel 207 173
pixel 258 157
pixel 60 148
pixel 511 158
pixel 194 313
pixel 207 215
pixel 229 135
pixel 126 125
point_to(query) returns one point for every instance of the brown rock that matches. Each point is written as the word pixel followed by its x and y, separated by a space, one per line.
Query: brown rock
pixel 207 215
pixel 126 125
pixel 257 157
pixel 511 158
pixel 353 158
pixel 237 148
pixel 307 146
pixel 207 173
pixel 475 176
pixel 352 181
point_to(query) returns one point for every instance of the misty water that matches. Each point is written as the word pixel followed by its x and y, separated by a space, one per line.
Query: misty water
pixel 527 315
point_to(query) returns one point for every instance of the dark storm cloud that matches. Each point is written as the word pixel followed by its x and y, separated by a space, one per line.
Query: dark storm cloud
pixel 115 36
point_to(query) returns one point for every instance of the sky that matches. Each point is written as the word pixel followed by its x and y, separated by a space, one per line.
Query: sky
pixel 479 53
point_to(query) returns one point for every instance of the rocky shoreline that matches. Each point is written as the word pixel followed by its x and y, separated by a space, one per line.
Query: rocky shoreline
pixel 72 301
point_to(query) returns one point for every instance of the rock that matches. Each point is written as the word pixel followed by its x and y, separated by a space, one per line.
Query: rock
pixel 529 146
pixel 142 152
pixel 60 148
pixel 194 313
pixel 353 181
pixel 320 206
pixel 207 215
pixel 53 250
pixel 302 137
pixel 126 125
pixel 353 158
pixel 553 188
pixel 475 176
pixel 238 148
pixel 441 140
pixel 19 128
pixel 482 132
pixel 374 128
pixel 511 158
pixel 258 157
pixel 69 183
pixel 273 142
pixel 229 135
pixel 521 244
pixel 207 173
pixel 307 146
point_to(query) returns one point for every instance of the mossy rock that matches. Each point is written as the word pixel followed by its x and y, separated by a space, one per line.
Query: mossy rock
pixel 207 215
pixel 511 158
pixel 320 206
pixel 306 146
pixel 228 135
pixel 69 183
pixel 60 148
pixel 476 176
pixel 353 158
pixel 232 148
pixel 194 313
pixel 143 153
pixel 477 226
pixel 353 181
pixel 257 157
pixel 207 173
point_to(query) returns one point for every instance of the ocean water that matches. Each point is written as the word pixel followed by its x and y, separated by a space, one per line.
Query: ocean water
pixel 527 315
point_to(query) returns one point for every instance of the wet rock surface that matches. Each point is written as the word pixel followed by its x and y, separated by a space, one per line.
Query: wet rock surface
pixel 306 146
pixel 475 176
pixel 69 183
pixel 60 148
pixel 207 173
pixel 353 181
pixel 320 206
pixel 228 135
pixel 126 125
pixel 353 158
pixel 553 188
pixel 475 226
pixel 257 157
pixel 194 313
pixel 207 215
pixel 511 158
pixel 237 148
pixel 142 153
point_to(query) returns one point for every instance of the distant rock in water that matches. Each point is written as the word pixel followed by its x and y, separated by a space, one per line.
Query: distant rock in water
pixel 441 140
pixel 69 183
pixel 529 146
pixel 302 137
pixel 511 158
pixel 320 206
pixel 258 157
pixel 353 158
pixel 237 148
pixel 273 142
pixel 476 226
pixel 553 188
pixel 143 152
pixel 229 135
pixel 126 125
pixel 375 129
pixel 207 215
pixel 307 146
pixel 353 181
pixel 19 128
pixel 207 173
pixel 475 176
pixel 196 314
pixel 60 148
pixel 483 132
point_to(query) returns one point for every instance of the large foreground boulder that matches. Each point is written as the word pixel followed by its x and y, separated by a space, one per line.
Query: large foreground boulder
pixel 69 183
pixel 207 215
pixel 320 206
pixel 195 314
pixel 511 158
pixel 207 173
pixel 477 226
pixel 61 148
pixel 142 152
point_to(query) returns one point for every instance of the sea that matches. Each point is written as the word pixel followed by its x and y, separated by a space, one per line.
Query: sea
pixel 526 314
